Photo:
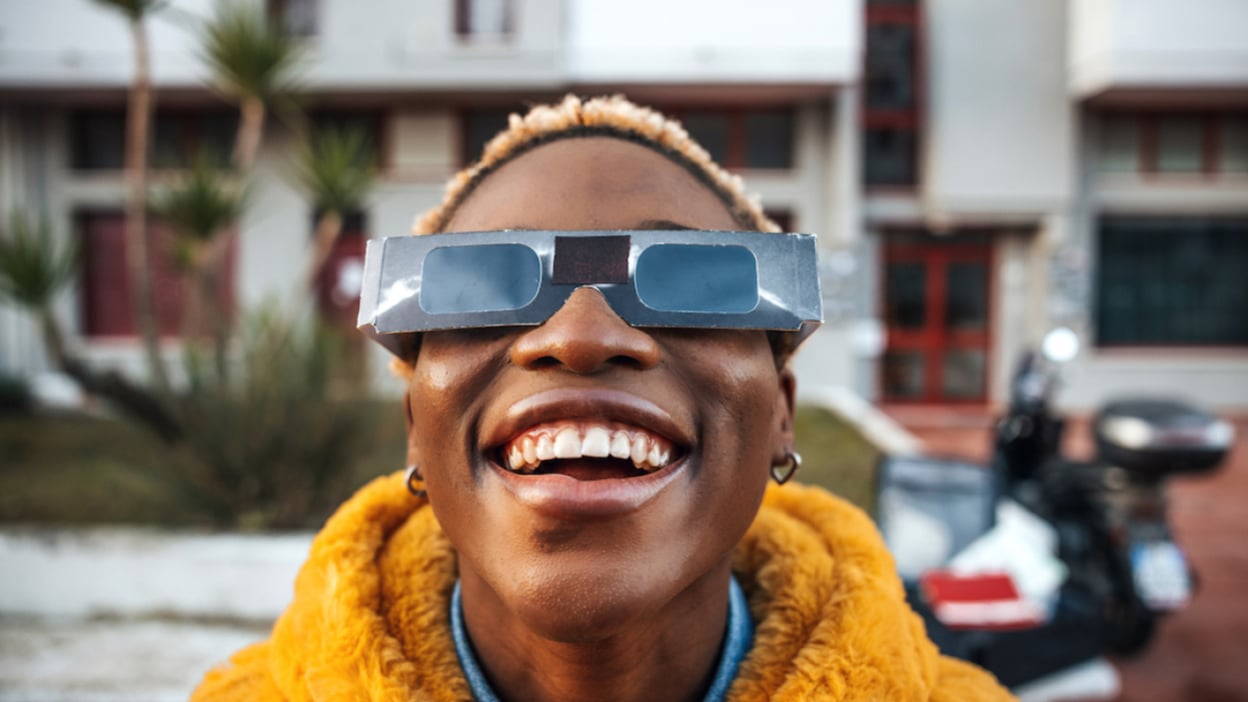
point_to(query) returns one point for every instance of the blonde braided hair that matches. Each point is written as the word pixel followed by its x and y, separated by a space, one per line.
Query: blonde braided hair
pixel 610 116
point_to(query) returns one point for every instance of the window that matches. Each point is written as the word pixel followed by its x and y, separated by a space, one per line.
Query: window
pixel 484 19
pixel 367 122
pixel 1234 145
pixel 892 94
pixel 1174 143
pixel 889 157
pixel 890 66
pixel 98 140
pixel 297 18
pixel 740 139
pixel 710 129
pixel 1120 144
pixel 178 137
pixel 736 138
pixel 478 126
pixel 1172 281
pixel 769 139
pixel 106 308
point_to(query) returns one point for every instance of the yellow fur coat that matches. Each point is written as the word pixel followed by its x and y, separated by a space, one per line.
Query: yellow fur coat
pixel 830 618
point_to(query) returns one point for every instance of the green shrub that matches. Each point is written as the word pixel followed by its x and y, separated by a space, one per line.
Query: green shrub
pixel 274 443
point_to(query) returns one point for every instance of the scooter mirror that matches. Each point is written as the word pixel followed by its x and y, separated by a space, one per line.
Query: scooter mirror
pixel 1060 345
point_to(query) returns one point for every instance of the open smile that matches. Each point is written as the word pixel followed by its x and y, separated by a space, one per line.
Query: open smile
pixel 587 450
pixel 587 467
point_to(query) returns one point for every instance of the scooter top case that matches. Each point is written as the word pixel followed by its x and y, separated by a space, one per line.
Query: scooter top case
pixel 1154 438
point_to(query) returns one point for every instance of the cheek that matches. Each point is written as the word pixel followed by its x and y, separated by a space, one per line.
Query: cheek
pixel 445 386
pixel 741 398
pixel 743 387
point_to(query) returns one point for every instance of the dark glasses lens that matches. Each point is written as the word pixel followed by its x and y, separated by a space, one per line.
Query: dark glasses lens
pixel 486 278
pixel 694 278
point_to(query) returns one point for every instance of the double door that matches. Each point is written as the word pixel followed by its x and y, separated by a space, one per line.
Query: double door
pixel 937 311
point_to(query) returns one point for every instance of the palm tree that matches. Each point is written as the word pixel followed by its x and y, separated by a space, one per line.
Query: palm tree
pixel 32 273
pixel 252 62
pixel 335 167
pixel 138 128
pixel 200 209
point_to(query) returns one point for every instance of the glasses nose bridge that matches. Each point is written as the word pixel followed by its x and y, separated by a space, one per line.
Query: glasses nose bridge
pixel 585 335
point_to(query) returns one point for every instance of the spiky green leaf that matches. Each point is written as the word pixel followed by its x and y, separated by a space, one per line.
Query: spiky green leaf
pixel 249 55
pixel 199 207
pixel 32 267
pixel 336 168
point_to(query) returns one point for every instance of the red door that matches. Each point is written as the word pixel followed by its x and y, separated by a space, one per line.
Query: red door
pixel 936 312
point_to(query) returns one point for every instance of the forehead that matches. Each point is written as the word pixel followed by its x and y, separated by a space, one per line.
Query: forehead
pixel 591 183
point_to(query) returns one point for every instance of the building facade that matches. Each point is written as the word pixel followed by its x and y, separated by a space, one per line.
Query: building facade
pixel 977 172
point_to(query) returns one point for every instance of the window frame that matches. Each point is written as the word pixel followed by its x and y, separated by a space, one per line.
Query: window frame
pixel 191 136
pixel 1148 125
pixel 466 33
pixel 907 120
pixel 736 151
pixel 1098 292
pixel 278 10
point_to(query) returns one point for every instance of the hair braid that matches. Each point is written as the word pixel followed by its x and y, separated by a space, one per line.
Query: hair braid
pixel 612 116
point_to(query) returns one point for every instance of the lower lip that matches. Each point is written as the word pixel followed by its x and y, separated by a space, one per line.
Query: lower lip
pixel 565 497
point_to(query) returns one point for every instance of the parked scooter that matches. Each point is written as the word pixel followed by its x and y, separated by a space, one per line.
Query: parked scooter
pixel 1041 563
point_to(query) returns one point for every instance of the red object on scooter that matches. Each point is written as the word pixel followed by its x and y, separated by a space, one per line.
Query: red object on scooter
pixel 985 601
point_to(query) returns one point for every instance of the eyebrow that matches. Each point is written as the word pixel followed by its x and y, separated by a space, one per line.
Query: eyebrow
pixel 645 224
pixel 664 224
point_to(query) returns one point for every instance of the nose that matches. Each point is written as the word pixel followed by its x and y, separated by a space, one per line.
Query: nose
pixel 585 336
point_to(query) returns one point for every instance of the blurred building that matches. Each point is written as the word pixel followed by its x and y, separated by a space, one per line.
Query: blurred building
pixel 978 172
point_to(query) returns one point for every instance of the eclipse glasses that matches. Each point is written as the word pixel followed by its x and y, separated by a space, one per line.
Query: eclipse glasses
pixel 670 278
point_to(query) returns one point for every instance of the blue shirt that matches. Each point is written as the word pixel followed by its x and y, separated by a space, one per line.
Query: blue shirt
pixel 736 644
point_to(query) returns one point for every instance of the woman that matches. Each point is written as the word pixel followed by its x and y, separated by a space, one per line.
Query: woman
pixel 588 515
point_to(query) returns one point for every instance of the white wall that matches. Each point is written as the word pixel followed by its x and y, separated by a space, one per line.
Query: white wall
pixel 687 41
pixel 1000 127
pixel 84 43
pixel 1215 379
pixel 1157 44
pixel 361 44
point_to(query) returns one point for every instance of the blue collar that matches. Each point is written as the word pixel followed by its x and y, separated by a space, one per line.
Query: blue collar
pixel 736 645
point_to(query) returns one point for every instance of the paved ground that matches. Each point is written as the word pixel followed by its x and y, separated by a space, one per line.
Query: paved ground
pixel 1201 653
pixel 44 660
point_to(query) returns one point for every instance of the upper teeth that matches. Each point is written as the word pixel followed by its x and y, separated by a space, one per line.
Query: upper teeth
pixel 579 440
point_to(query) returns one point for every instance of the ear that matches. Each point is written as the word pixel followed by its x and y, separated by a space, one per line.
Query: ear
pixel 413 456
pixel 785 411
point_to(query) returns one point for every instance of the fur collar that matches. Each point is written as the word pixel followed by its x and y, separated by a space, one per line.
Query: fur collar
pixel 830 618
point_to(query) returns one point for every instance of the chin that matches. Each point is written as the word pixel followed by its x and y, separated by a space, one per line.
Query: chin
pixel 562 604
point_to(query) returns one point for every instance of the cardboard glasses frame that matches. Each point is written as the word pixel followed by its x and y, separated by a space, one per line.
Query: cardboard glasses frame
pixel 669 278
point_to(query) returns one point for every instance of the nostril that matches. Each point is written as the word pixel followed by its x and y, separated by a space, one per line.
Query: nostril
pixel 542 362
pixel 629 361
pixel 585 336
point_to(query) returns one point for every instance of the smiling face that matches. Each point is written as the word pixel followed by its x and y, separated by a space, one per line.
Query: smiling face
pixel 591 474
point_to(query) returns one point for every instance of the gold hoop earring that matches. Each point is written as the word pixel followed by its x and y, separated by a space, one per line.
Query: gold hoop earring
pixel 415 482
pixel 793 461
